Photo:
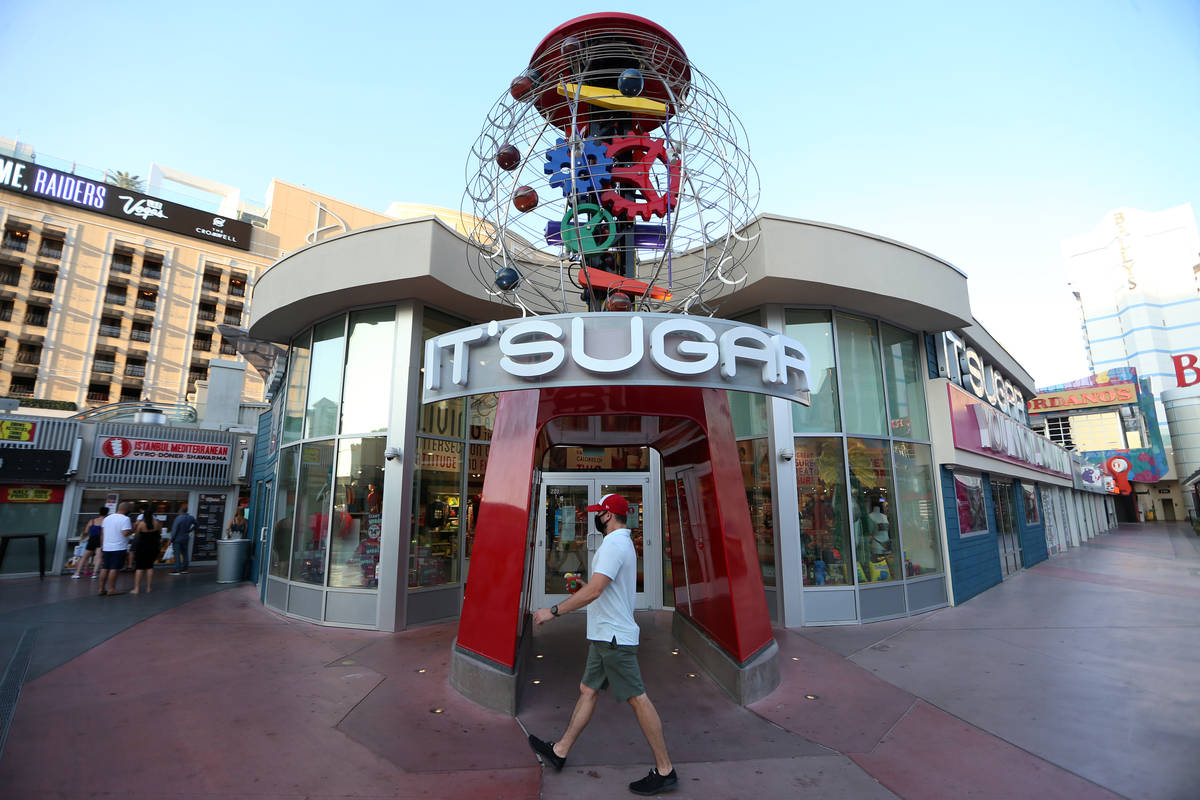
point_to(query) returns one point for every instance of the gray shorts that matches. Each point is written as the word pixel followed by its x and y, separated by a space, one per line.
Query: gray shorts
pixel 615 665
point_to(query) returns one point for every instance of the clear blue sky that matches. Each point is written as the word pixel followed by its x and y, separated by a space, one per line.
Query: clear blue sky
pixel 982 133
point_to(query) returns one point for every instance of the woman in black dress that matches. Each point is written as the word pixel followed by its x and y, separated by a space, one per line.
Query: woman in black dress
pixel 146 543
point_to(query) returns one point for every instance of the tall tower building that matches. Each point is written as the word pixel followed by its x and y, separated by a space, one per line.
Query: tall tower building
pixel 1136 277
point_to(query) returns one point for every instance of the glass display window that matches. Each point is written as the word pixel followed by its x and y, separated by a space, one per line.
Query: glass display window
pixel 972 507
pixel 297 387
pixel 862 376
pixel 749 413
pixel 877 541
pixel 482 416
pixel 437 492
pixel 754 456
pixel 905 384
pixel 358 514
pixel 813 328
pixel 314 518
pixel 325 378
pixel 285 506
pixel 367 387
pixel 917 509
pixel 821 494
pixel 1029 497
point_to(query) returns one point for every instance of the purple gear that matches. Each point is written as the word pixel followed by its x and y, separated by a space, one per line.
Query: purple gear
pixel 591 168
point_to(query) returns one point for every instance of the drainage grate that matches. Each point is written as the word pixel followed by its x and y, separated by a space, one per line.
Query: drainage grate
pixel 10 684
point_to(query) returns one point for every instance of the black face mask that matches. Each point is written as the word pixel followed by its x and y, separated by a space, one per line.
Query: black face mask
pixel 599 525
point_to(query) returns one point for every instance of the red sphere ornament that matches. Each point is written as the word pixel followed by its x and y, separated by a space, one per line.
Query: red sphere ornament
pixel 525 198
pixel 524 84
pixel 508 157
pixel 618 301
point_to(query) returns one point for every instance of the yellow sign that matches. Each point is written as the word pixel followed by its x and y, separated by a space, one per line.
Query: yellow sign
pixel 17 430
pixel 30 495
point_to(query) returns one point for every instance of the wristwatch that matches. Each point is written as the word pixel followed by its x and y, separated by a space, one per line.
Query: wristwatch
pixel 554 609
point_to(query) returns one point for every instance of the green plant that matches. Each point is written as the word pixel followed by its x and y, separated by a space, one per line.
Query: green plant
pixel 58 405
pixel 124 180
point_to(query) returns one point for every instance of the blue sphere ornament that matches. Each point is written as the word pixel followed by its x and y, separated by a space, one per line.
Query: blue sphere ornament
pixel 507 279
pixel 630 83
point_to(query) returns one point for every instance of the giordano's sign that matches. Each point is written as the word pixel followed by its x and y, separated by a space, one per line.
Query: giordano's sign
pixel 614 348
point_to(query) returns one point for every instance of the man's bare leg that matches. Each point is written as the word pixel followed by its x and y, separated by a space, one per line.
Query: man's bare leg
pixel 651 724
pixel 580 717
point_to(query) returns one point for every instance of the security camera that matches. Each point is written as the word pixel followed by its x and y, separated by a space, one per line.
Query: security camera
pixel 391 453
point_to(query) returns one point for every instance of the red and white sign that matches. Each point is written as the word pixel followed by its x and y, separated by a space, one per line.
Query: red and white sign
pixel 1186 371
pixel 118 447
pixel 981 429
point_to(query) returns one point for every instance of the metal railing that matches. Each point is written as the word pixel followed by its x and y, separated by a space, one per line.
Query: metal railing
pixel 139 336
pixel 114 299
pixel 110 330
pixel 106 367
pixel 180 412
pixel 38 319
pixel 135 370
pixel 145 305
pixel 42 285
pixel 209 316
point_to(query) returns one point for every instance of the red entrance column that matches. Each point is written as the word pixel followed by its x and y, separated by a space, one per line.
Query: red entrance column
pixel 723 581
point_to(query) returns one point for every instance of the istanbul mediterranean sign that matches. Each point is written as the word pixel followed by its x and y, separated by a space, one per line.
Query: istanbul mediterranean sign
pixel 629 349
pixel 44 183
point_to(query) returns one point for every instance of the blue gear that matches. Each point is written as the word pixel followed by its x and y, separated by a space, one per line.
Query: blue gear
pixel 591 170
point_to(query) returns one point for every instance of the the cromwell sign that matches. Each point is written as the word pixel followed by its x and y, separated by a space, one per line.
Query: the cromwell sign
pixel 630 349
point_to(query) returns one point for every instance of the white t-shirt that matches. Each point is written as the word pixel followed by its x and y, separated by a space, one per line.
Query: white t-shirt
pixel 115 527
pixel 611 614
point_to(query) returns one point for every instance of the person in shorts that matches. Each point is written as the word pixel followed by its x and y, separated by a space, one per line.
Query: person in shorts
pixel 91 554
pixel 115 532
pixel 612 647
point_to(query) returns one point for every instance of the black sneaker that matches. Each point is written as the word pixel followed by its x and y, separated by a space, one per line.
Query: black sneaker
pixel 655 783
pixel 546 751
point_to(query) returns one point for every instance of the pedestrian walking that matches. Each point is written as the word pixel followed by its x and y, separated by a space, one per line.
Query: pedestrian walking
pixel 91 555
pixel 612 647
pixel 181 535
pixel 114 534
pixel 146 542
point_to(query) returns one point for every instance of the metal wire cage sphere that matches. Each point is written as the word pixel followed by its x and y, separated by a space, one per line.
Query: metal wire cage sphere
pixel 611 165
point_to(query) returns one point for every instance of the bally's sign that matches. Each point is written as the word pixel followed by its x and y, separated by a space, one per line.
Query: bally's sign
pixel 960 363
pixel 619 348
pixel 113 201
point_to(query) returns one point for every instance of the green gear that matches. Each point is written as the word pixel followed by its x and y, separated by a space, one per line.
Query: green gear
pixel 581 238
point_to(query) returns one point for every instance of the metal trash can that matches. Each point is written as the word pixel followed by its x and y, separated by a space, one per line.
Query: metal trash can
pixel 231 559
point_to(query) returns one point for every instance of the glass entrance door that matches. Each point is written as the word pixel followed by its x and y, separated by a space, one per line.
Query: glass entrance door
pixel 567 541
pixel 1006 528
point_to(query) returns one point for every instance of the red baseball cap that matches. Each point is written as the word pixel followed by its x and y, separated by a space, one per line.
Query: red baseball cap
pixel 614 503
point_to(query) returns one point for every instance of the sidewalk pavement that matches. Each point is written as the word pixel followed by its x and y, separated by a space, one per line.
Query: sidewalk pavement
pixel 1076 678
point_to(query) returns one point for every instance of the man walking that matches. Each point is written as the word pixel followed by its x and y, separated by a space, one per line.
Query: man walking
pixel 612 652
pixel 114 544
pixel 181 537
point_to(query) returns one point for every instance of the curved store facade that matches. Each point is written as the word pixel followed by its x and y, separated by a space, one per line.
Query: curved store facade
pixel 910 481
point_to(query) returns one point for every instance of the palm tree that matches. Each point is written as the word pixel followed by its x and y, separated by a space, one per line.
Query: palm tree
pixel 123 180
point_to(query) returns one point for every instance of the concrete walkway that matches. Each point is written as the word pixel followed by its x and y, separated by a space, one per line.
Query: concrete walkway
pixel 1076 678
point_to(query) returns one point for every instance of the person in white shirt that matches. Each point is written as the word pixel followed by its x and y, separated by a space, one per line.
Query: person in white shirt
pixel 114 544
pixel 612 652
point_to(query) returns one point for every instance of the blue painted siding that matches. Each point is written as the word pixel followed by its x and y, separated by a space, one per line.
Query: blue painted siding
pixel 1033 537
pixel 975 560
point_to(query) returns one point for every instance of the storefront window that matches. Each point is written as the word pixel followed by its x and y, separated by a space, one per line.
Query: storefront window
pixel 358 514
pixel 293 415
pixel 366 396
pixel 862 377
pixel 749 412
pixel 285 506
pixel 821 495
pixel 445 417
pixel 1029 495
pixel 314 513
pixel 433 551
pixel 905 387
pixel 482 409
pixel 476 466
pixel 754 455
pixel 325 378
pixel 814 330
pixel 918 509
pixel 874 519
pixel 972 513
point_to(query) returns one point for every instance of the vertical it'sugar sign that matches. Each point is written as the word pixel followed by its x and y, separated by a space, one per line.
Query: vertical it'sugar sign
pixel 639 349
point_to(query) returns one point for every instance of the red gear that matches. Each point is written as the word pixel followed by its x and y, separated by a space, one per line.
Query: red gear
pixel 647 201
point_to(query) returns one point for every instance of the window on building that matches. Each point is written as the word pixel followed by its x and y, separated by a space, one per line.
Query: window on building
pixel 211 282
pixel 105 363
pixel 147 299
pixel 6 308
pixel 114 295
pixel 135 367
pixel 98 392
pixel 152 265
pixel 905 384
pixel 22 386
pixel 228 348
pixel 29 353
pixel 814 329
pixel 285 506
pixel 872 512
pixel 237 285
pixel 51 247
pixel 325 378
pixel 16 239
pixel 293 415
pixel 357 513
pixel 433 556
pixel 917 509
pixel 824 529
pixel 37 315
pixel 10 274
pixel 1058 430
pixel 367 392
pixel 233 315
pixel 43 281
pixel 131 393
pixel 206 312
pixel 110 326
pixel 862 376
pixel 141 332
pixel 122 261
pixel 315 515
pixel 202 342
pixel 197 372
